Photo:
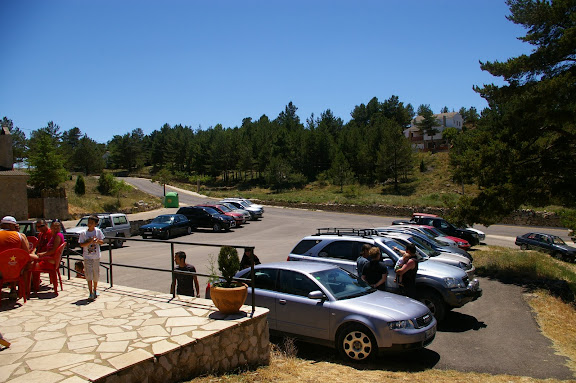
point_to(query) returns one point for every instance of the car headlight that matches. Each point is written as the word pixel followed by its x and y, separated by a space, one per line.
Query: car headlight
pixel 453 282
pixel 461 243
pixel 400 324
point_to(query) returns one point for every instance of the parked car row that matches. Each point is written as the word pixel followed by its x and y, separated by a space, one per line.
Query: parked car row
pixel 222 216
pixel 444 280
pixel 470 235
pixel 316 295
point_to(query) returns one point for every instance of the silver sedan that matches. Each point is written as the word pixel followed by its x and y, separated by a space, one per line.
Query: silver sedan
pixel 325 304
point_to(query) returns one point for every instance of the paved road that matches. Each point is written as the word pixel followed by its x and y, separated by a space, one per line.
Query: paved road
pixel 497 334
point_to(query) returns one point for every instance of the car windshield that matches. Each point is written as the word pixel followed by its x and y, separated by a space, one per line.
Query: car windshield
pixel 341 284
pixel 209 210
pixel 230 206
pixel 434 232
pixel 558 241
pixel 424 247
pixel 83 222
pixel 224 208
pixel 162 219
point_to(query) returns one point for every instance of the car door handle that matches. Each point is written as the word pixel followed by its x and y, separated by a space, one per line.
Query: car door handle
pixel 282 301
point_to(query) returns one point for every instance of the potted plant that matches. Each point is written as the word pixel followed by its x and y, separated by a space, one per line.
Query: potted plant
pixel 228 295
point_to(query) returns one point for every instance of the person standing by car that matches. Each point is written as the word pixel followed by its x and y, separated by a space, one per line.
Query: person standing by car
pixel 247 259
pixel 409 270
pixel 375 272
pixel 186 284
pixel 363 259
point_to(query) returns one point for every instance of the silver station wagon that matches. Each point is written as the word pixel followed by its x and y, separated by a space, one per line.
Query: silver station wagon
pixel 322 303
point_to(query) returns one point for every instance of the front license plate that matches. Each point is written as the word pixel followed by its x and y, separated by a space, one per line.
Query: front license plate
pixel 148 232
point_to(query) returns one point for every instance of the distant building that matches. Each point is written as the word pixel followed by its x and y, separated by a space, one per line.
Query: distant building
pixel 14 200
pixel 436 143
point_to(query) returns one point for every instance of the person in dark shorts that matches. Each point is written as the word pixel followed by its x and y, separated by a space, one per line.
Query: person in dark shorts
pixel 186 284
pixel 375 272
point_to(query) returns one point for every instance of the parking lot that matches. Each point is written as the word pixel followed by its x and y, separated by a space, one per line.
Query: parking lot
pixel 473 338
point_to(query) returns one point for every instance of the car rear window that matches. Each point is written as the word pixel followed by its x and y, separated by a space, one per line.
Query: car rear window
pixel 304 246
pixel 120 220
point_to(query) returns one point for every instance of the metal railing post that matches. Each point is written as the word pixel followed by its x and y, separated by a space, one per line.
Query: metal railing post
pixel 172 268
pixel 110 262
pixel 253 276
pixel 68 260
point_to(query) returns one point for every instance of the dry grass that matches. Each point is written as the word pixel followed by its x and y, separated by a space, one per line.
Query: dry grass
pixel 285 368
pixel 93 201
pixel 557 320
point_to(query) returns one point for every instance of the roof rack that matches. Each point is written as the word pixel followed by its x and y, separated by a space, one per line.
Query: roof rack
pixel 346 231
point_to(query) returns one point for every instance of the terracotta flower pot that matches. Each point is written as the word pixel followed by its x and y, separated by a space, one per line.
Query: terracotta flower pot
pixel 228 300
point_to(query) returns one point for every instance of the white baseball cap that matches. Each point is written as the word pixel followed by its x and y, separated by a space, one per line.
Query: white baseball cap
pixel 9 219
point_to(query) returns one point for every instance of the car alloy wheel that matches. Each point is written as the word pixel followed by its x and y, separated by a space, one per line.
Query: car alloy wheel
pixel 523 247
pixel 357 343
pixel 189 230
pixel 166 235
pixel 216 227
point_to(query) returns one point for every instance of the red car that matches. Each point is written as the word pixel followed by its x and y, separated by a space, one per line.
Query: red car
pixel 238 217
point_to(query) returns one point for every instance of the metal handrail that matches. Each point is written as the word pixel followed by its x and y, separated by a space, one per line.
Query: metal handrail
pixel 109 266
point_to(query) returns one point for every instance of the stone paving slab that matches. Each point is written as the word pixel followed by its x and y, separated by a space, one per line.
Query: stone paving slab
pixel 66 338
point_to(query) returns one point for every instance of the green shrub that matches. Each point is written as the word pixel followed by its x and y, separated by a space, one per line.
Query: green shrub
pixel 80 186
pixel 107 184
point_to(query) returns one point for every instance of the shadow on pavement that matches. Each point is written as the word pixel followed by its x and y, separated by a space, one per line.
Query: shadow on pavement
pixel 458 322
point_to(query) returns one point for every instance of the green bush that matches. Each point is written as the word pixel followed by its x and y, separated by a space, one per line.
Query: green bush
pixel 80 186
pixel 107 184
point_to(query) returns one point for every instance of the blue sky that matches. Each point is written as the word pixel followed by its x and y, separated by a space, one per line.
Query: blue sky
pixel 110 66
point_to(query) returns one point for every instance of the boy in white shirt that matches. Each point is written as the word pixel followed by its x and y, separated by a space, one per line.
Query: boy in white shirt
pixel 90 241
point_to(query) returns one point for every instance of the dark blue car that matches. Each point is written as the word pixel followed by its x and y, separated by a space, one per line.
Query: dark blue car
pixel 548 243
pixel 166 226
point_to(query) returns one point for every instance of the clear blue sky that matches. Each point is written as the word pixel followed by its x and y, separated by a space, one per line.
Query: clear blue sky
pixel 110 66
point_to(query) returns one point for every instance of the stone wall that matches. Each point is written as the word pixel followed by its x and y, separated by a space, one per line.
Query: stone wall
pixel 13 200
pixel 520 217
pixel 246 345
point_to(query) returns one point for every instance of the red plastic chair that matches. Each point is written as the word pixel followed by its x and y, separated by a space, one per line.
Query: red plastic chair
pixel 12 262
pixel 33 242
pixel 53 270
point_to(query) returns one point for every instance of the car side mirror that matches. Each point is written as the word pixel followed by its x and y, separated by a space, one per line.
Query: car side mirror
pixel 317 294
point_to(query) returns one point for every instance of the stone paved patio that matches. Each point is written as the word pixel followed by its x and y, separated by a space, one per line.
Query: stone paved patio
pixel 66 338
